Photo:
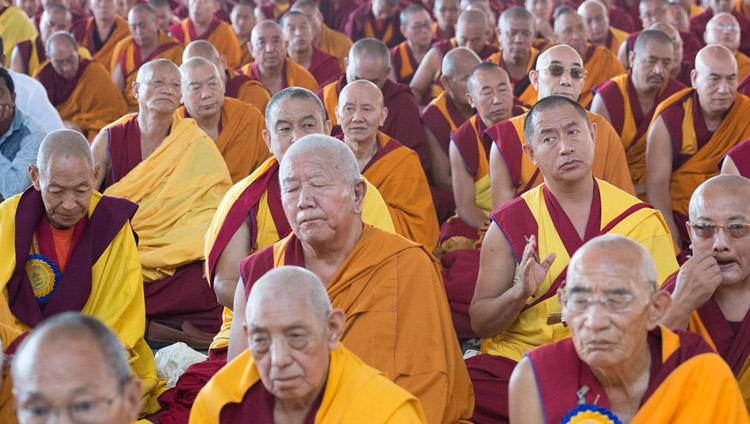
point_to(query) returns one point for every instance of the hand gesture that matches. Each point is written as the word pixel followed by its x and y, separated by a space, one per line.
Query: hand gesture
pixel 698 279
pixel 532 273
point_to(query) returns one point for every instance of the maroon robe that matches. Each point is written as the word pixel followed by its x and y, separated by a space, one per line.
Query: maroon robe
pixel 335 16
pixel 397 63
pixel 257 406
pixel 25 50
pixel 632 10
pixel 435 122
pixel 58 88
pixel 234 83
pixel 684 75
pixel 621 19
pixel 699 22
pixel 740 155
pixel 444 46
pixel 744 86
pixel 388 31
pixel 323 66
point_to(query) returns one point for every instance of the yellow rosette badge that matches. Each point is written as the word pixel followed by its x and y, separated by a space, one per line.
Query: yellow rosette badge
pixel 590 414
pixel 44 276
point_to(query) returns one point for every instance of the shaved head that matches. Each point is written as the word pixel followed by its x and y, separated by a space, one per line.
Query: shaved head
pixel 267 24
pixel 204 49
pixel 719 186
pixel 716 59
pixel 197 62
pixel 553 103
pixel 628 255
pixel 290 283
pixel 369 59
pixel 595 14
pixel 650 36
pixel 60 38
pixel 555 53
pixel 64 143
pixel 513 13
pixel 143 8
pixel 146 71
pixel 338 154
pixel 459 60
pixel 472 18
pixel 365 86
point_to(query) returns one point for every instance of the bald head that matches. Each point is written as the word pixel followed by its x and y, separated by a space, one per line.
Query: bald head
pixel 723 29
pixel 197 63
pixel 570 29
pixel 267 25
pixel 290 283
pixel 721 187
pixel 338 156
pixel 550 104
pixel 596 16
pixel 621 253
pixel 204 49
pixel 459 61
pixel 64 144
pixel 716 60
pixel 367 88
pixel 55 17
pixel 369 59
pixel 549 84
pixel 60 39
pixel 471 18
pixel 514 13
pixel 147 71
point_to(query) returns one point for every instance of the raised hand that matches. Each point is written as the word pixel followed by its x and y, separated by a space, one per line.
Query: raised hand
pixel 532 273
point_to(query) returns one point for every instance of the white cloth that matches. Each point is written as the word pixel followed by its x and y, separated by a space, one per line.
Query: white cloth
pixel 31 98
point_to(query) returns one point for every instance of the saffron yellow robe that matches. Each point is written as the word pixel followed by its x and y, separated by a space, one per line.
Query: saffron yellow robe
pixel 104 55
pixel 15 27
pixel 8 333
pixel 335 43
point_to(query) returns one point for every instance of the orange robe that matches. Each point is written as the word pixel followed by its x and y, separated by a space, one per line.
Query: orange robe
pixel 90 99
pixel 128 55
pixel 249 90
pixel 32 54
pixel 245 55
pixel 743 65
pixel 615 37
pixel 104 54
pixel 293 75
pixel 219 33
pixel 522 88
pixel 397 316
pixel 240 141
pixel 335 43
pixel 8 334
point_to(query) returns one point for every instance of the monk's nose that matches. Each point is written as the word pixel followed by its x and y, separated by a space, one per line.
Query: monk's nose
pixel 280 355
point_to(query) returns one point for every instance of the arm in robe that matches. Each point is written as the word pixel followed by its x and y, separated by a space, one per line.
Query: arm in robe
pixel 501 183
pixel 463 191
pixel 659 154
pixel 426 73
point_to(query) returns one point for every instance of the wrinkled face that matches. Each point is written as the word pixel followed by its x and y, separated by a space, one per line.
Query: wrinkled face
pixel 653 12
pixel 715 80
pixel 651 66
pixel 360 113
pixel 597 21
pixel 64 59
pixel 446 13
pixel 516 37
pixel 455 84
pixel 563 85
pixel 571 30
pixel 160 91
pixel 143 28
pixel 298 31
pixel 30 7
pixel 723 30
pixel 268 46
pixel 366 68
pixel 291 350
pixel 203 91
pixel 541 9
pixel 53 20
pixel 66 184
pixel 472 37
pixel 243 20
pixel 492 95
pixel 202 11
pixel 163 18
pixel 292 119
pixel 104 10
pixel 721 6
pixel 723 206
pixel 384 9
pixel 419 28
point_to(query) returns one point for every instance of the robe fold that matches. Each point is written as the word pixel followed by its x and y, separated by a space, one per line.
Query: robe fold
pixel 522 88
pixel 687 382
pixel 219 33
pixel 744 86
pixel 128 55
pixel 601 65
pixel 247 89
pixel 32 54
pixel 403 62
pixel 398 319
pixel 615 37
pixel 102 277
pixel 352 392
pixel 8 335
pixel 335 43
pixel 740 155
pixel 103 55
pixel 361 23
pixel 629 120
pixel 274 11
pixel 240 141
pixel 90 99
pixel 323 66
pixel 292 74
pixel 441 117
pixel 743 65
pixel 15 27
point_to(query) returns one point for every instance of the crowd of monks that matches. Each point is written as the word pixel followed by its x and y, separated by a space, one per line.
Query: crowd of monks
pixel 427 211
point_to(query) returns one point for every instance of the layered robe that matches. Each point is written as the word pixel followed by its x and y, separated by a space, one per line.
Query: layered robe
pixel 699 22
pixel 538 213
pixel 178 188
pixel 106 43
pixel 696 150
pixel 33 54
pixel 361 23
pixel 274 11
pixel 688 383
pixel 743 65
pixel 621 19
pixel 128 55
pixel 744 86
pixel 522 88
pixel 15 27
pixel 629 121
pixel 397 316
pixel 728 339
pixel 441 117
pixel 601 64
pixel 629 9
pixel 247 89
pixel 240 141
pixel 740 155
pixel 9 335
pixel 335 43
pixel 438 34
pixel 90 99
pixel 101 278
pixel 292 74
pixel 403 62
pixel 615 37
pixel 323 66
pixel 353 392
pixel 219 33
pixel 402 117
pixel 245 55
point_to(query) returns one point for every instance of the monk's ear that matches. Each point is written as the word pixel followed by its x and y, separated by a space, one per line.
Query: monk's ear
pixel 693 77
pixel 97 171
pixel 134 88
pixel 132 398
pixel 34 174
pixel 660 303
pixel 223 59
pixel 631 58
pixel 267 138
pixel 592 130
pixel 534 79
pixel 529 151
pixel 469 98
pixel 497 32
pixel 383 116
pixel 690 233
pixel 336 320
pixel 328 127
pixel 360 190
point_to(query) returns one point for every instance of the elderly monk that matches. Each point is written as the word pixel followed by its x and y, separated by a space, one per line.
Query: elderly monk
pixel 570 208
pixel 325 38
pixel 9 340
pixel 599 62
pixel 629 101
pixel 353 260
pixel 272 67
pixel 145 43
pixel 80 89
pixel 377 19
pixel 175 173
pixel 298 31
pixel 102 31
pixel 62 236
pixel 709 293
pixel 369 59
pixel 29 54
pixel 232 124
pixel 236 85
pixel 594 14
pixel 724 29
pixel 559 72
pixel 201 24
pixel 619 365
pixel 392 168
pixel 699 23
pixel 15 27
pixel 515 31
pixel 446 15
pixel 324 381
pixel 691 131
pixel 74 367
pixel 243 20
pixel 164 15
pixel 416 25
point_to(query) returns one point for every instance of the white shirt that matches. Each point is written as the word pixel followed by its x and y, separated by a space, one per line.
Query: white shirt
pixel 31 98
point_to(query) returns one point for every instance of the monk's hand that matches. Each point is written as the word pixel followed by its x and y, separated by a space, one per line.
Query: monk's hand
pixel 532 272
pixel 697 280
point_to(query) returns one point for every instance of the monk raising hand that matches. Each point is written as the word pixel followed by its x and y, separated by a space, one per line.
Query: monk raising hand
pixel 532 273
pixel 696 283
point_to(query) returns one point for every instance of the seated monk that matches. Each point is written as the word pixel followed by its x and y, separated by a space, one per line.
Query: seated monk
pixel 370 59
pixel 74 358
pixel 472 32
pixel 62 236
pixel 175 173
pixel 558 72
pixel 233 125
pixel 29 54
pixel 80 89
pixel 709 294
pixel 691 132
pixel 15 27
pixel 680 69
pixel 243 20
pixel 237 86
pixel 515 31
pixel 724 29
pixel 272 67
pixel 357 264
pixel 392 168
pixel 416 25
pixel 300 49
pixel 101 32
pixel 324 38
pixel 9 337
pixel 145 44
pixel 619 364
pixel 629 101
pixel 378 19
pixel 446 16
pixel 272 9
pixel 599 62
pixel 164 16
pixel 202 24
pixel 699 23
pixel 594 14
pixel 324 381
pixel 549 222
pixel 249 218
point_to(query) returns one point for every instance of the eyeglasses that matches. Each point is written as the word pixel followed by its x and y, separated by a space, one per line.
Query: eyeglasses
pixel 734 230
pixel 727 27
pixel 84 412
pixel 557 70
pixel 578 302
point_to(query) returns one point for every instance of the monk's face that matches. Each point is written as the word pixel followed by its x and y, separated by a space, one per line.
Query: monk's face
pixel 491 95
pixel 677 43
pixel 446 13
pixel 651 66
pixel 472 37
pixel 721 6
pixel 144 28
pixel 104 10
pixel 360 112
pixel 291 119
pixel 541 9
pixel 66 184
pixel 597 21
pixel 163 18
pixel 652 12
pixel 384 9
pixel 571 30
pixel 30 7
pixel 313 16
pixel 419 29
pixel 202 91
pixel 548 84
pixel 723 30
pixel 202 11
pixel 268 46
pixel 71 381
pixel 455 83
pixel 516 36
pixel 159 90
pixel 53 20
pixel 715 80
pixel 297 30
pixel 723 205
pixel 370 69
pixel 64 58
pixel 243 20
